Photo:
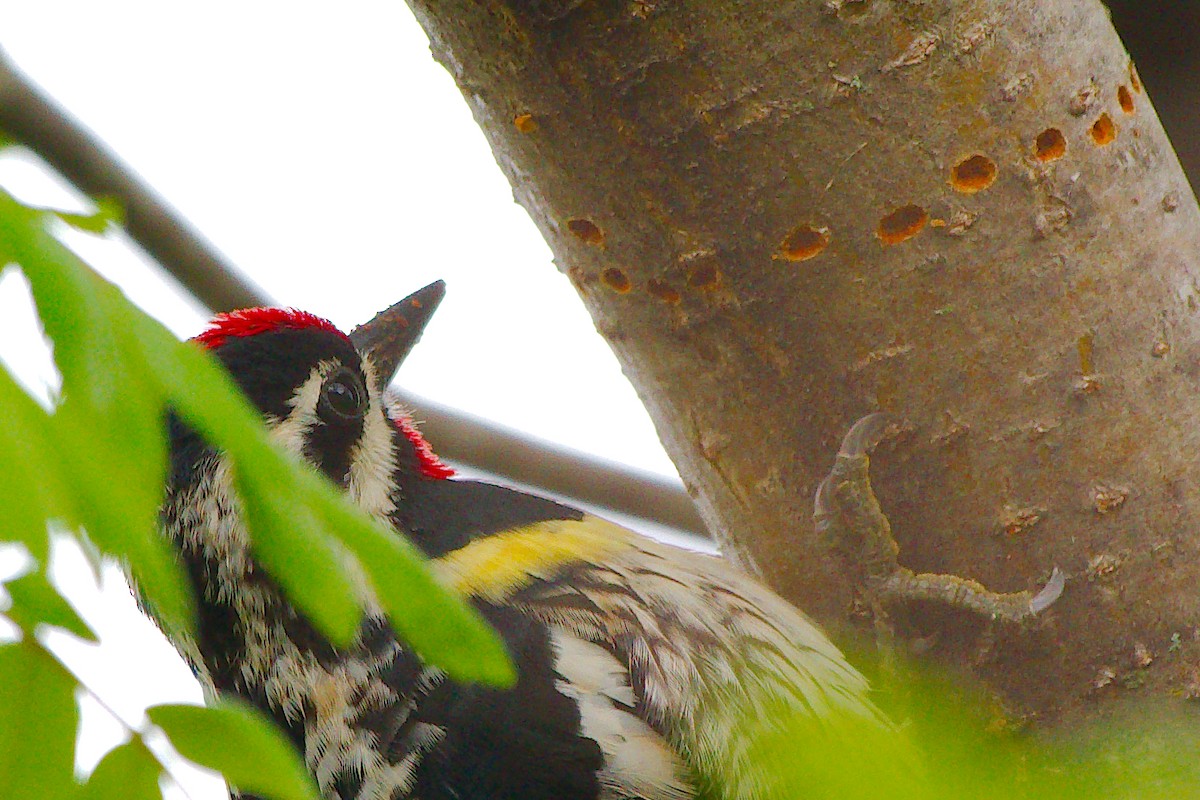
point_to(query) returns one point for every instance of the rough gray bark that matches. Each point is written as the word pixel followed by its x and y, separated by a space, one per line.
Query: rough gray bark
pixel 784 216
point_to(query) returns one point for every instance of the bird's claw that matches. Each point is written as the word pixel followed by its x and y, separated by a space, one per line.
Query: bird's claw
pixel 1049 593
pixel 845 505
pixel 866 434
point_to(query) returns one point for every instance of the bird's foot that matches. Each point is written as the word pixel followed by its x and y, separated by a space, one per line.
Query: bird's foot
pixel 847 511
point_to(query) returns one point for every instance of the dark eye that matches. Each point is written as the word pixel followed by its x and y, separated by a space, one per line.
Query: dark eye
pixel 343 397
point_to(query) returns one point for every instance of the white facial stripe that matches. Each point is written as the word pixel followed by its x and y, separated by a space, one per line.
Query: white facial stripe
pixel 292 430
pixel 373 460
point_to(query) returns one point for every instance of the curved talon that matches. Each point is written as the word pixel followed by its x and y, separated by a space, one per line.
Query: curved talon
pixel 823 511
pixel 865 434
pixel 1049 593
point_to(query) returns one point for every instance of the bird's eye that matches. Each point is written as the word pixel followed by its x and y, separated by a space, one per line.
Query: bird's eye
pixel 343 397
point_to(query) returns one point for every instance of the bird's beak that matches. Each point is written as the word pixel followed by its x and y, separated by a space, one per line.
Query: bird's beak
pixel 391 334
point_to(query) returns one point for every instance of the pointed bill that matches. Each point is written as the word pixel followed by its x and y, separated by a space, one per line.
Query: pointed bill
pixel 391 334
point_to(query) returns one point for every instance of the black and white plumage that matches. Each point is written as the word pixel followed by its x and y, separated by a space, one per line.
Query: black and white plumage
pixel 639 665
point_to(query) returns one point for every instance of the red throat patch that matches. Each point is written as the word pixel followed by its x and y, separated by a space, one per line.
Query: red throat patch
pixel 430 465
pixel 253 321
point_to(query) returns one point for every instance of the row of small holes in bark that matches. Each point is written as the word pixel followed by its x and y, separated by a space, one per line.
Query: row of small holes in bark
pixel 970 175
pixel 704 276
pixel 973 174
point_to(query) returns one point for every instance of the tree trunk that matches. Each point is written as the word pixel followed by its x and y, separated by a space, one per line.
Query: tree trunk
pixel 785 216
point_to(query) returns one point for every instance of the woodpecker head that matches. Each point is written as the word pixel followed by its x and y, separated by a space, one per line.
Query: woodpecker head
pixel 321 391
pixel 321 394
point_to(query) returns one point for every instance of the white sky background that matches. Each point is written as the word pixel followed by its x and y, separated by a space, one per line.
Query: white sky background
pixel 320 147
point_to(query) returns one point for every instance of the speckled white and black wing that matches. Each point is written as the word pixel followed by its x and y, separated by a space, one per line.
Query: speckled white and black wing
pixel 703 649
pixel 638 760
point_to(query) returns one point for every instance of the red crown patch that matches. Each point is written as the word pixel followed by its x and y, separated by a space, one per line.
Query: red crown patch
pixel 253 321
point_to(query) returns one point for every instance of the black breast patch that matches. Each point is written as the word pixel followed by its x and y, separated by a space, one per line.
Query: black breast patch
pixel 523 743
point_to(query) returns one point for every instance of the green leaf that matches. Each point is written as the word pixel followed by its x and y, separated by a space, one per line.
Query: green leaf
pixel 38 723
pixel 288 539
pixel 71 308
pixel 119 508
pixel 83 316
pixel 97 222
pixel 111 208
pixel 127 772
pixel 837 752
pixel 31 481
pixel 35 600
pixel 241 744
pixel 110 425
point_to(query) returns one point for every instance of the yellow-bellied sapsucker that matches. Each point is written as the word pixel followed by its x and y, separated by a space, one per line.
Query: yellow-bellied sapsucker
pixel 639 664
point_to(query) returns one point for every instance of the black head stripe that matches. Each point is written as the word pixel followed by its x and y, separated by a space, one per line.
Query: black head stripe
pixel 271 366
